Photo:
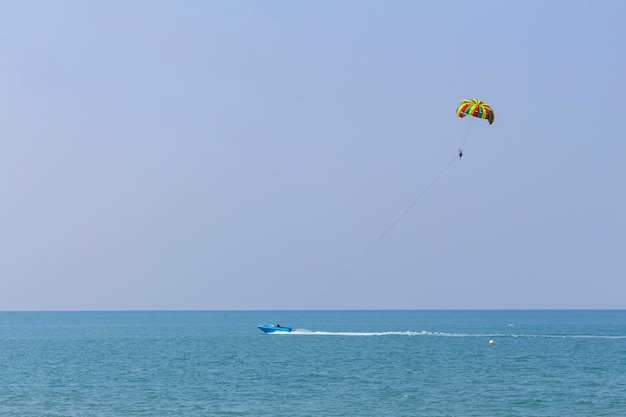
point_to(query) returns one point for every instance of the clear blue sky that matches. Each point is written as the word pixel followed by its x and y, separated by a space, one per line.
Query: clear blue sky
pixel 244 154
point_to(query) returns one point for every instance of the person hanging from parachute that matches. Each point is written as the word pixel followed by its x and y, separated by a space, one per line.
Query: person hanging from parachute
pixel 475 108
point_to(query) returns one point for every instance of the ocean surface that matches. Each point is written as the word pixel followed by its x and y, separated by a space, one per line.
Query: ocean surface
pixel 337 363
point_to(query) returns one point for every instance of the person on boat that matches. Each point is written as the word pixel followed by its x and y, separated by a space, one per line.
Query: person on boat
pixel 277 325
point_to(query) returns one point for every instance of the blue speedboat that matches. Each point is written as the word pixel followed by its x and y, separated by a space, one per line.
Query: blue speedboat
pixel 272 328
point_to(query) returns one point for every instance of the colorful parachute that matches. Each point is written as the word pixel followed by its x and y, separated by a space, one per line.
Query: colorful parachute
pixel 475 108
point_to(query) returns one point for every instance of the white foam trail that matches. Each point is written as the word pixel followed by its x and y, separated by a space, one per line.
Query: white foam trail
pixel 444 334
pixel 390 333
pixel 322 333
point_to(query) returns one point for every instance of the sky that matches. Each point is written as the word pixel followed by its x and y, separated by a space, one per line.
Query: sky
pixel 259 155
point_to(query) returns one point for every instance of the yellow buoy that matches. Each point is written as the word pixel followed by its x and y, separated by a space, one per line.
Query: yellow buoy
pixel 491 342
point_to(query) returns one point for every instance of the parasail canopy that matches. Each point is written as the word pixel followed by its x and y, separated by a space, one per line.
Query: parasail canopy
pixel 475 108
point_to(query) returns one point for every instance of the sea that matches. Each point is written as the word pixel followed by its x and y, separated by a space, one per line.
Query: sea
pixel 335 363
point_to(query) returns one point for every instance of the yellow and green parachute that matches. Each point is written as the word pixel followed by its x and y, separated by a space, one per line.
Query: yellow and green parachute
pixel 475 108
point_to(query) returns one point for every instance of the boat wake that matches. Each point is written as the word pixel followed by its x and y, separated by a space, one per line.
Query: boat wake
pixel 323 333
pixel 390 333
pixel 307 332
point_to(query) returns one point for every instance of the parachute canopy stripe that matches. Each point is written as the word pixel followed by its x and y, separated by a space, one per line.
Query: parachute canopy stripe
pixel 475 108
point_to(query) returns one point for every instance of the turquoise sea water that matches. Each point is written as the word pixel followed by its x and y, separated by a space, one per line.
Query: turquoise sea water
pixel 338 363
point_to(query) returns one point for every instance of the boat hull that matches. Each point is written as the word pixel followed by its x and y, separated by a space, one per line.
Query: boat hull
pixel 269 328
